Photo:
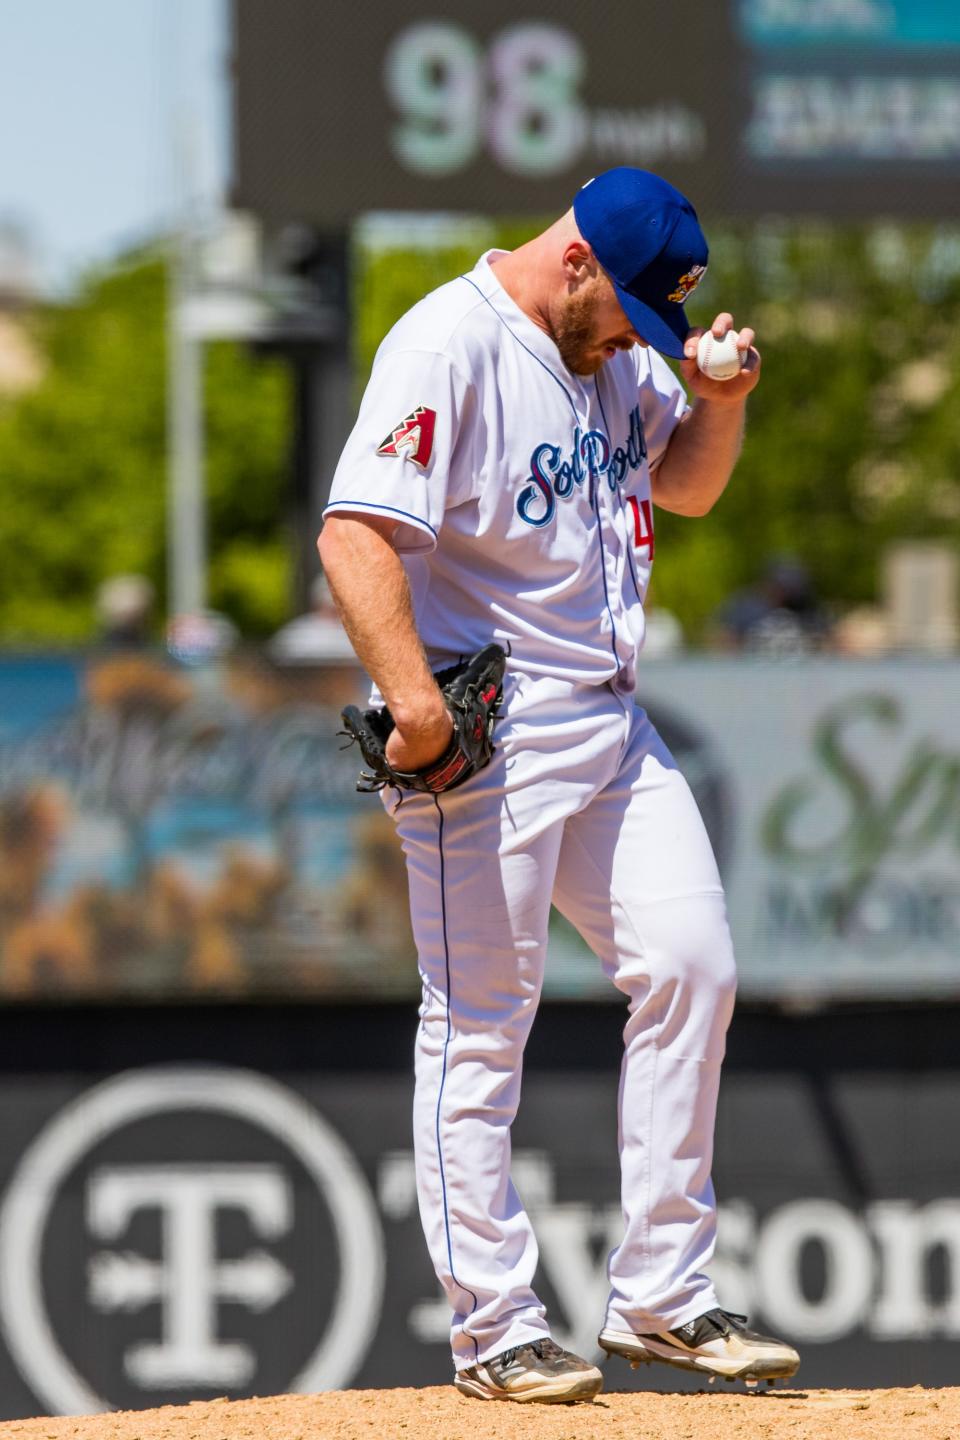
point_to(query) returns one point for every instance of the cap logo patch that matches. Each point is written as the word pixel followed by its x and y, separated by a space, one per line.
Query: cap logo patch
pixel 687 284
pixel 413 437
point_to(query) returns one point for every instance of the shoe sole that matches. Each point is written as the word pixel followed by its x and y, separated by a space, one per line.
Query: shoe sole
pixel 646 1351
pixel 552 1393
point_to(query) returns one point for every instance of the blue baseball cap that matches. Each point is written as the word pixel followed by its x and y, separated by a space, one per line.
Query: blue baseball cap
pixel 647 238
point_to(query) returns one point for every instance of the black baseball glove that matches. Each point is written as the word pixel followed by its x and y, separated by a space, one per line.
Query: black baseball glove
pixel 472 692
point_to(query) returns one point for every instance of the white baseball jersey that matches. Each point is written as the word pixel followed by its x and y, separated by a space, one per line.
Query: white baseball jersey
pixel 528 487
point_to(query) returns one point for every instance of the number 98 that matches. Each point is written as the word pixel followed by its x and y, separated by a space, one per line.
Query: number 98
pixel 535 123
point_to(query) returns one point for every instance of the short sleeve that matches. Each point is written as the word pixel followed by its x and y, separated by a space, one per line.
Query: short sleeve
pixel 398 461
pixel 663 403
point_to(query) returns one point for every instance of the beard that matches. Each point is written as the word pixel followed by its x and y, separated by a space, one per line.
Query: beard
pixel 573 334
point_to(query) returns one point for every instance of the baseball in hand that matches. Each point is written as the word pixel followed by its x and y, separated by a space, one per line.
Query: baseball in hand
pixel 720 359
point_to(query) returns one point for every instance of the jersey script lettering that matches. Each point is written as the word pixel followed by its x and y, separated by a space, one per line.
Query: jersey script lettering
pixel 553 478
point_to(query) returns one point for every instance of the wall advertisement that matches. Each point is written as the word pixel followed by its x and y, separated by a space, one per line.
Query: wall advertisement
pixel 168 833
pixel 832 792
pixel 187 1230
pixel 173 832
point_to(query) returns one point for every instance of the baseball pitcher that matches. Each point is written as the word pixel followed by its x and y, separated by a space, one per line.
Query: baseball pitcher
pixel 489 540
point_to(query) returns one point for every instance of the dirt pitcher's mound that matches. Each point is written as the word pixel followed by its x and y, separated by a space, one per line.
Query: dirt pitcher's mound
pixel 441 1414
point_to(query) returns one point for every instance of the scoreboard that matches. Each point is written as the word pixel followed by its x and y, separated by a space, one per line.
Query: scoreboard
pixel 836 107
pixel 854 106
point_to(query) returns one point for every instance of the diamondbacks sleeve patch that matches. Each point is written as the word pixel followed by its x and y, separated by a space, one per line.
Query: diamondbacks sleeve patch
pixel 413 437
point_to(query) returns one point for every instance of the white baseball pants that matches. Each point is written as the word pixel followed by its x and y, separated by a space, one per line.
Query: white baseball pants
pixel 582 805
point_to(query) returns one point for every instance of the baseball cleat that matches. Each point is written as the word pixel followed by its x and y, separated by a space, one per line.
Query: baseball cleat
pixel 717 1343
pixel 539 1370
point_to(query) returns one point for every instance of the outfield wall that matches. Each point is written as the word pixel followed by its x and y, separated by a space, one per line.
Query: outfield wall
pixel 173 833
pixel 206 1182
pixel 202 1201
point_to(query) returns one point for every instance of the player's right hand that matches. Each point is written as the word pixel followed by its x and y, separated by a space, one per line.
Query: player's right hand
pixel 724 392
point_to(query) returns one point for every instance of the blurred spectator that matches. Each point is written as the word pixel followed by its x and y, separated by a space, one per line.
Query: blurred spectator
pixel 863 632
pixel 315 637
pixel 124 611
pixel 779 616
pixel 201 637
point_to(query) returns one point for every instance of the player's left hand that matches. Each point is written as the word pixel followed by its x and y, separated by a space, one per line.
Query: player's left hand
pixel 723 392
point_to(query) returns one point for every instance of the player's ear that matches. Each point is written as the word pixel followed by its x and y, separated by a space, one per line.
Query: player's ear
pixel 578 262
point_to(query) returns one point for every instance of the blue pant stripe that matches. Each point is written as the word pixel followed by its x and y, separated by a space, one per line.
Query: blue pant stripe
pixel 443 1077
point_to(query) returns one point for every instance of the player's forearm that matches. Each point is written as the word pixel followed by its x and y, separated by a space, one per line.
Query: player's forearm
pixel 700 458
pixel 370 587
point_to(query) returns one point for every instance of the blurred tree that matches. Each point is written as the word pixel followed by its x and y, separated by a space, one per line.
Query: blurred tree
pixel 852 438
pixel 83 469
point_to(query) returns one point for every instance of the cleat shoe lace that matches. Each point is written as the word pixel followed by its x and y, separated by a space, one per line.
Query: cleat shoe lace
pixel 558 1360
pixel 715 1324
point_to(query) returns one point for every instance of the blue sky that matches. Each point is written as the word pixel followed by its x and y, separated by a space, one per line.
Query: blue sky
pixel 90 92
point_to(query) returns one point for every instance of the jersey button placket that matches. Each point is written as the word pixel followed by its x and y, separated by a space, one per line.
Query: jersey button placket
pixel 614 563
